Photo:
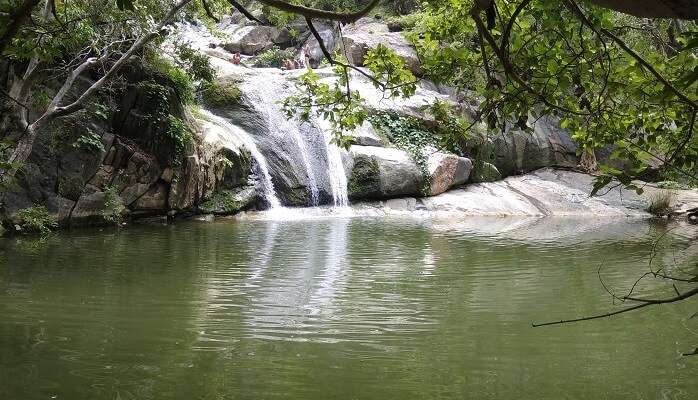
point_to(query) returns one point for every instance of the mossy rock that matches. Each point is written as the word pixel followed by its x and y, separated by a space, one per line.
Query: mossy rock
pixel 226 202
pixel 365 178
pixel 295 196
pixel 222 94
pixel 485 172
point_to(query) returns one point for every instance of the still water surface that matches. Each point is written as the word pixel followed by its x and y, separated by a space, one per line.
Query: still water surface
pixel 339 308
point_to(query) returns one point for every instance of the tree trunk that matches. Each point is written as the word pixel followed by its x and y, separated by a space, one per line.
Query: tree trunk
pixel 588 161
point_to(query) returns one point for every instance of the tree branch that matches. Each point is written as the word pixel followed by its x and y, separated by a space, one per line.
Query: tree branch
pixel 509 67
pixel 135 47
pixel 210 14
pixel 574 8
pixel 645 303
pixel 345 18
pixel 244 12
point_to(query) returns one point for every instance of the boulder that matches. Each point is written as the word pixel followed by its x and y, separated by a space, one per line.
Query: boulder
pixel 366 135
pixel 154 199
pixel 485 172
pixel 312 49
pixel 379 172
pixel 226 202
pixel 251 40
pixel 517 152
pixel 446 171
pixel 367 33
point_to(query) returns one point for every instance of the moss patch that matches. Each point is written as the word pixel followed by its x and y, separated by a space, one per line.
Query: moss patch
pixel 221 94
pixel 225 202
pixel 365 178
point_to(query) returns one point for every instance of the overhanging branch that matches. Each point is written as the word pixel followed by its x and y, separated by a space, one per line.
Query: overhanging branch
pixel 314 13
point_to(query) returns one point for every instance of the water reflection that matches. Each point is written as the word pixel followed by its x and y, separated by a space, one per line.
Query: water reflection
pixel 341 307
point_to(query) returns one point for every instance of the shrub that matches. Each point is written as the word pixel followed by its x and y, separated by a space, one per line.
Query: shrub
pixel 90 142
pixel 36 219
pixel 218 94
pixel 180 134
pixel 660 202
pixel 273 57
pixel 114 208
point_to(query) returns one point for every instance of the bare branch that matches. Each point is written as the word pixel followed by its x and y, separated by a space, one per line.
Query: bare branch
pixel 135 47
pixel 645 303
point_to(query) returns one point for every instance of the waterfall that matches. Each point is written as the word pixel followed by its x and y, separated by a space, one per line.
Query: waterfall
pixel 236 134
pixel 266 89
pixel 338 178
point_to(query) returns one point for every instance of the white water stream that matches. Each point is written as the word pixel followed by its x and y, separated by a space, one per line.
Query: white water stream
pixel 235 134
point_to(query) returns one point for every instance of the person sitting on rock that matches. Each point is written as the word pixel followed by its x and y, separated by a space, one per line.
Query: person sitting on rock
pixel 236 58
pixel 287 64
pixel 306 56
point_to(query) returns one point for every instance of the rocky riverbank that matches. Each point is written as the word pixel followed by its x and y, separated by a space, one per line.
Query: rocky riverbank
pixel 145 153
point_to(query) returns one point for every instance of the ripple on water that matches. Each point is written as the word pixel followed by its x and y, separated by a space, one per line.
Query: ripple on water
pixel 367 306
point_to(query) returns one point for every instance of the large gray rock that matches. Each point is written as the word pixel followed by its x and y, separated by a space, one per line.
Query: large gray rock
pixel 446 171
pixel 546 192
pixel 366 135
pixel 226 202
pixel 312 50
pixel 251 40
pixel 367 33
pixel 378 172
pixel 516 151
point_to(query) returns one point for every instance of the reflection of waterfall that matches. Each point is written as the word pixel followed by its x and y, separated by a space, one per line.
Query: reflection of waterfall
pixel 267 90
pixel 235 134
pixel 335 267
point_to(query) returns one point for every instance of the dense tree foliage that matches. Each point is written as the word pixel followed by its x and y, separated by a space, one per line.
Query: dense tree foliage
pixel 615 80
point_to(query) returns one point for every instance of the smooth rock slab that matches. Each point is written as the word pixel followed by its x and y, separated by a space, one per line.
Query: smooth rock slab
pixel 545 192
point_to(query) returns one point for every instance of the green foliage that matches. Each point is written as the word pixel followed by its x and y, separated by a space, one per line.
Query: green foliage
pixel 409 134
pixel 197 64
pixel 36 219
pixel 180 79
pixel 277 17
pixel 604 95
pixel 157 99
pixel 273 57
pixel 181 136
pixel 450 127
pixel 660 202
pixel 405 22
pixel 113 210
pixel 390 70
pixel 177 131
pixel 221 94
pixel 343 110
pixel 90 142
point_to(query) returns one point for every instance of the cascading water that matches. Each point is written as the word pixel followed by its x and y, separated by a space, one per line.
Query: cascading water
pixel 265 90
pixel 238 135
pixel 338 179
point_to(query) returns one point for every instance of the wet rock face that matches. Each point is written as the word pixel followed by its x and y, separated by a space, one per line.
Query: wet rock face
pixel 226 202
